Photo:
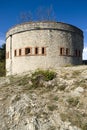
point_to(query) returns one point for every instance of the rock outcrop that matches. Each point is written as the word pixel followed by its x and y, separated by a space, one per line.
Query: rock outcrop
pixel 58 104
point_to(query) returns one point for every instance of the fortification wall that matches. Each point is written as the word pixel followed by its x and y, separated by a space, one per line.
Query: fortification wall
pixel 50 45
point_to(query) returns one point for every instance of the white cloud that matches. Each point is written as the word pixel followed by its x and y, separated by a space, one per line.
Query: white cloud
pixel 85 53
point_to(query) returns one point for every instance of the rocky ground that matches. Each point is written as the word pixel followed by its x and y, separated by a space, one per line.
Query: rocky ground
pixel 58 104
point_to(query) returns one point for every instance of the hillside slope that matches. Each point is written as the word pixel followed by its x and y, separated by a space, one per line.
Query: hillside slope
pixel 28 103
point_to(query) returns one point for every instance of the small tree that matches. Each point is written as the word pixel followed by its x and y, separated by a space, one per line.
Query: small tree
pixel 2 60
pixel 2 52
pixel 45 14
pixel 26 17
pixel 42 14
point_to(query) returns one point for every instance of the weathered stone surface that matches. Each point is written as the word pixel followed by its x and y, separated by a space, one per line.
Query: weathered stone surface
pixel 50 35
pixel 44 108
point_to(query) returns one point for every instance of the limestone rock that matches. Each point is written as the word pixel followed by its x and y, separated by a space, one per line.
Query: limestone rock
pixel 24 107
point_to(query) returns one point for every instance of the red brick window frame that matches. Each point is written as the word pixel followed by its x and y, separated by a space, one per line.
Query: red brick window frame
pixel 20 52
pixel 36 50
pixel 67 51
pixel 28 50
pixel 61 51
pixel 15 52
pixel 43 50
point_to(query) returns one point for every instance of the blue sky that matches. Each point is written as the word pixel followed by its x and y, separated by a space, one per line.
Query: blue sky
pixel 69 11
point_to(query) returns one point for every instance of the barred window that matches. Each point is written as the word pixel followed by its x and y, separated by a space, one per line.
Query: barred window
pixel 36 50
pixel 27 51
pixel 19 52
pixel 15 52
pixel 61 51
pixel 43 50
pixel 67 51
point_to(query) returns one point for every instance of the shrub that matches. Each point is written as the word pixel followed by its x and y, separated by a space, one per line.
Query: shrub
pixel 45 74
pixel 39 75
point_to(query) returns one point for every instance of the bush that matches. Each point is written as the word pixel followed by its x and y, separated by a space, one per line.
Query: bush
pixel 40 75
pixel 45 74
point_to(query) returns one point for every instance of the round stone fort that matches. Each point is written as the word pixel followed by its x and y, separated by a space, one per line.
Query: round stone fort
pixel 44 45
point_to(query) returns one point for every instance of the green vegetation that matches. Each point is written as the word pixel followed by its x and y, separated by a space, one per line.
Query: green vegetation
pixel 44 74
pixel 56 98
pixel 81 83
pixel 84 127
pixel 52 107
pixel 2 52
pixel 62 87
pixel 24 81
pixel 76 118
pixel 73 101
pixel 68 65
pixel 34 80
pixel 52 128
pixel 2 61
pixel 2 68
pixel 75 73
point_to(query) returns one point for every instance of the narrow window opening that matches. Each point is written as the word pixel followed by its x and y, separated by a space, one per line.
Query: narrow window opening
pixel 15 53
pixel 36 50
pixel 27 51
pixel 19 52
pixel 43 50
pixel 61 51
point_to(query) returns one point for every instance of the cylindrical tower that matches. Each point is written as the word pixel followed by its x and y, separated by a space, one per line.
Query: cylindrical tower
pixel 43 45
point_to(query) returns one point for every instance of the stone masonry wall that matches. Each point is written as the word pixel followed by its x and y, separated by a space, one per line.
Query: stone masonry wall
pixel 53 37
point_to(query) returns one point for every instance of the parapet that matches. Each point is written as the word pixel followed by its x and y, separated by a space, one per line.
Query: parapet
pixel 28 26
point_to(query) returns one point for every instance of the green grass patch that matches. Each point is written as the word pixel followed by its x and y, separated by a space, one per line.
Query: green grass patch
pixel 56 98
pixel 73 101
pixel 52 107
